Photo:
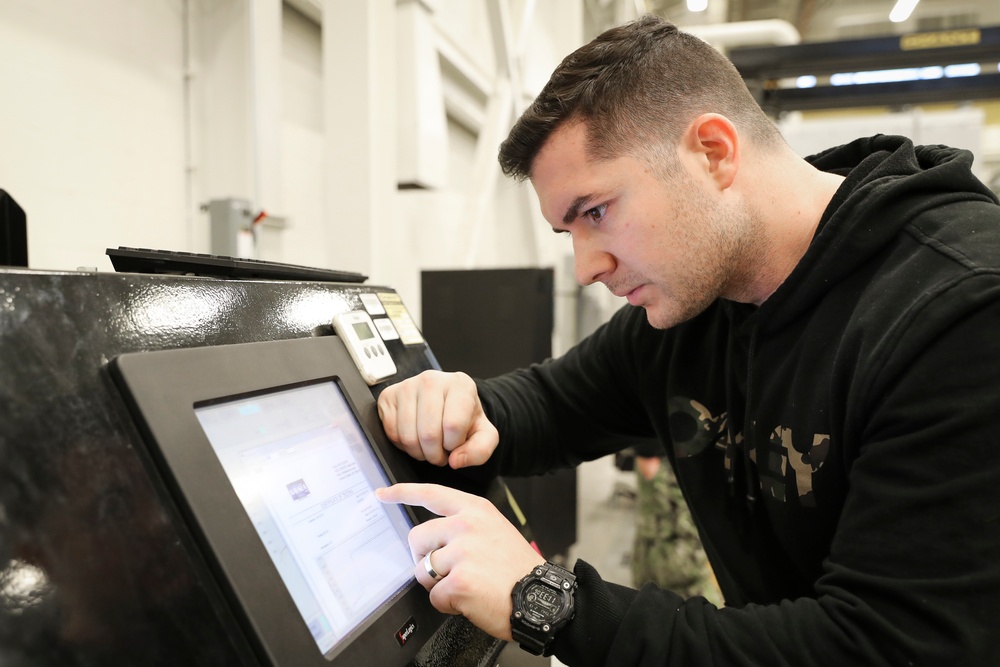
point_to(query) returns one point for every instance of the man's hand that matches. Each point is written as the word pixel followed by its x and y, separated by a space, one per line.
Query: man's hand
pixel 648 466
pixel 437 417
pixel 480 554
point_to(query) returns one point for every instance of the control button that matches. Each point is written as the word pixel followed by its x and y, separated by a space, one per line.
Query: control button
pixel 368 353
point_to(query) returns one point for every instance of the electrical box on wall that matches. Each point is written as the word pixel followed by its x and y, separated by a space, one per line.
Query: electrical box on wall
pixel 230 221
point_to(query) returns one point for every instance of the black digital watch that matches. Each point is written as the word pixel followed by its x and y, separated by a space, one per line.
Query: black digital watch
pixel 543 603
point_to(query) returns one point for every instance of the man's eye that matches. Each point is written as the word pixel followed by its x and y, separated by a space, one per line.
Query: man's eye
pixel 596 214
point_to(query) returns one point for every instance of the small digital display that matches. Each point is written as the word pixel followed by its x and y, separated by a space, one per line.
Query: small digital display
pixel 363 330
pixel 542 601
pixel 305 473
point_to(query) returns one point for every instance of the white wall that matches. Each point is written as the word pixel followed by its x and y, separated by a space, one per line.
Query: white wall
pixel 961 127
pixel 302 155
pixel 477 218
pixel 92 126
pixel 120 119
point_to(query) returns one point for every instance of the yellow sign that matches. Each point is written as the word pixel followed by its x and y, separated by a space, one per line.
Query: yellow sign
pixel 938 40
pixel 400 316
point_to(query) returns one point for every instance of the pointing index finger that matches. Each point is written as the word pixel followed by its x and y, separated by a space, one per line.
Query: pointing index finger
pixel 440 500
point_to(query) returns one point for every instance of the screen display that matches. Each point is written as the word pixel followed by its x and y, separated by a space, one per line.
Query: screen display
pixel 306 474
pixel 363 330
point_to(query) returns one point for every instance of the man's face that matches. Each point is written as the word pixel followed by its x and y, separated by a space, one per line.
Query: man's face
pixel 671 244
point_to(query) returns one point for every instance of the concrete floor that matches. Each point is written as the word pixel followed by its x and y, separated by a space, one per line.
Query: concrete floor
pixel 605 530
pixel 605 519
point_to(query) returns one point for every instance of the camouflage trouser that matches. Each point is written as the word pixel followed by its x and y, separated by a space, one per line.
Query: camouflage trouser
pixel 667 550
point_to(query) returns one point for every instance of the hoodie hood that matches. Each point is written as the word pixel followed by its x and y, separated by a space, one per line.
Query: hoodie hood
pixel 888 181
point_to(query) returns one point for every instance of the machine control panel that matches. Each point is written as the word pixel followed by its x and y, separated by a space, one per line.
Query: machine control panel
pixel 365 345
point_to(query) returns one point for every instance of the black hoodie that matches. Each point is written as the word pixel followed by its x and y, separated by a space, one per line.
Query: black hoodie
pixel 839 446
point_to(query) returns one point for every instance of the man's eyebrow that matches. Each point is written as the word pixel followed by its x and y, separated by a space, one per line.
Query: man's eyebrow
pixel 574 209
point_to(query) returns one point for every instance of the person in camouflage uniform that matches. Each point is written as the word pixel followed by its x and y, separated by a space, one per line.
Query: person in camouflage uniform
pixel 667 550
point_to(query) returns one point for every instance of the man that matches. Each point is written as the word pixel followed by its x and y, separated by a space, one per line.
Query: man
pixel 817 343
pixel 666 549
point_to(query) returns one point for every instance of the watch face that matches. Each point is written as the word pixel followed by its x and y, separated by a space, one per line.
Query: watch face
pixel 541 602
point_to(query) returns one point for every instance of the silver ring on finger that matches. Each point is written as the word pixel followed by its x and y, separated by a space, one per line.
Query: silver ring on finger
pixel 431 572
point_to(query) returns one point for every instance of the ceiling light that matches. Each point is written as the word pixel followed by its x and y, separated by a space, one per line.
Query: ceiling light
pixel 902 10
pixel 697 5
pixel 965 69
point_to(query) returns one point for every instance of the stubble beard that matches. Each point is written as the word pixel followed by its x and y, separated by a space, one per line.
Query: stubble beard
pixel 727 251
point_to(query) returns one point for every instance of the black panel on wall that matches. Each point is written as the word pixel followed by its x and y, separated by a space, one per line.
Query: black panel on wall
pixel 488 321
pixel 485 322
pixel 13 232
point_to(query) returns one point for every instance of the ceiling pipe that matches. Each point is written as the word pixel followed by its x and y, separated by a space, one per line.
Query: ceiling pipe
pixel 725 36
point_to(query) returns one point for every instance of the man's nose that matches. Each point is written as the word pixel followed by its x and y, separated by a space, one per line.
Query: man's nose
pixel 591 263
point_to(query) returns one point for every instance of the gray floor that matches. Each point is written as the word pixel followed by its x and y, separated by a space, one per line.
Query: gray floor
pixel 605 519
pixel 605 529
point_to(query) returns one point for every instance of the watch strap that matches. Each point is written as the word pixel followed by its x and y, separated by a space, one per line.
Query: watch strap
pixel 529 642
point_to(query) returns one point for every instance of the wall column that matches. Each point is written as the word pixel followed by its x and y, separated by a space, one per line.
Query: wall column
pixel 359 121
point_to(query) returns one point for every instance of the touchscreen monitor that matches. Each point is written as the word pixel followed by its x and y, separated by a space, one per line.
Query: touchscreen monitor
pixel 306 476
pixel 272 452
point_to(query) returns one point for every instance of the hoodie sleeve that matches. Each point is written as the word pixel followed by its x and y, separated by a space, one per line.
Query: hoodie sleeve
pixel 582 405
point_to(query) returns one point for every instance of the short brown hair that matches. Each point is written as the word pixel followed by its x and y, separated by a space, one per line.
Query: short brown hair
pixel 637 85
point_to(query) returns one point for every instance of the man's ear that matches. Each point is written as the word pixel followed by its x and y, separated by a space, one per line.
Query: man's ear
pixel 713 141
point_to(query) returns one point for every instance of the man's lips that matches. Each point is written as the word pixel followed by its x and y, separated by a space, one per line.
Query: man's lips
pixel 632 294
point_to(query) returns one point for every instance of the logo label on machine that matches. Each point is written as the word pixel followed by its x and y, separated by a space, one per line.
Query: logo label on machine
pixel 404 633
